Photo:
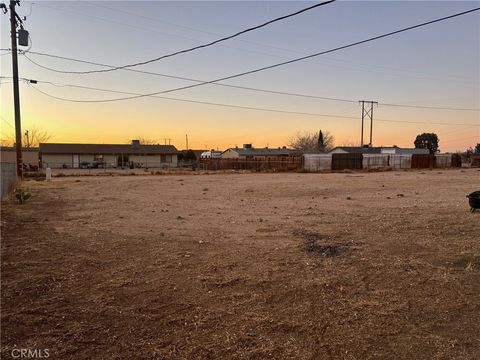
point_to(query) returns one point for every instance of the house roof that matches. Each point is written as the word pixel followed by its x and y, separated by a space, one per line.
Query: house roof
pixel 56 148
pixel 378 150
pixel 409 151
pixel 359 150
pixel 261 151
pixel 13 148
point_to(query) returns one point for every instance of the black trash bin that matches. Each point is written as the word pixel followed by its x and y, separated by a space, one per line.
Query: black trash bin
pixel 474 200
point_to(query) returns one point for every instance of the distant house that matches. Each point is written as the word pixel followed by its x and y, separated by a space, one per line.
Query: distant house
pixel 210 154
pixel 249 152
pixel 377 150
pixel 29 155
pixel 132 155
pixel 356 150
pixel 404 151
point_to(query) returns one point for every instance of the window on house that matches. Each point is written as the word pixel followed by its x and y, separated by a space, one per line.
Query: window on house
pixel 97 157
pixel 166 158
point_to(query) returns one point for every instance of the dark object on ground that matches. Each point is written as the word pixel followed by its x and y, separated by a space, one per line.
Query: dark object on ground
pixel 98 164
pixel 30 167
pixel 474 200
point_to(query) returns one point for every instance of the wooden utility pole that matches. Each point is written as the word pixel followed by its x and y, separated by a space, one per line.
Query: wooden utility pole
pixel 16 91
pixel 186 140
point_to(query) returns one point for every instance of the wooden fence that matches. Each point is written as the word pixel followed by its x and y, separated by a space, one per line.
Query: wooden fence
pixel 290 163
pixel 347 161
pixel 333 162
pixel 423 161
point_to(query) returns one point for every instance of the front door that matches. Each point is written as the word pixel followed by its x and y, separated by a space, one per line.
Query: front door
pixel 76 161
pixel 122 161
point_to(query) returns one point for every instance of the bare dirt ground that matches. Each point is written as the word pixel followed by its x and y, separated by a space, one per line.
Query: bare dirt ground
pixel 244 266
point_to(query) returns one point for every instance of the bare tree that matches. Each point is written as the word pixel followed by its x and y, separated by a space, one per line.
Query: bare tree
pixel 5 141
pixel 145 141
pixel 312 142
pixel 31 138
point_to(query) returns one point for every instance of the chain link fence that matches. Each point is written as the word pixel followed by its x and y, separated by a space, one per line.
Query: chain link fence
pixel 9 179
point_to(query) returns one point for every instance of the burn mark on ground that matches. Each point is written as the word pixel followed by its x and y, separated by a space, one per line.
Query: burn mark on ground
pixel 319 244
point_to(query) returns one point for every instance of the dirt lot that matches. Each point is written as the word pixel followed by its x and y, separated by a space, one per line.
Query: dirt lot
pixel 244 266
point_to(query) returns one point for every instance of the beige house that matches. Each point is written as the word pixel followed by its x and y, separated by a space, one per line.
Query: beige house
pixel 9 154
pixel 249 152
pixel 134 155
pixel 391 150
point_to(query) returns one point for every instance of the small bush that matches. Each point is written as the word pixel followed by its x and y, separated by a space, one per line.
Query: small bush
pixel 22 195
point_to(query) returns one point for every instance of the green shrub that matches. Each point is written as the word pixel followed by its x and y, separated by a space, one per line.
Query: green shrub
pixel 22 195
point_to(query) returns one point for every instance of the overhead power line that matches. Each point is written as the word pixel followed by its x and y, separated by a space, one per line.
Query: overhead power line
pixel 123 11
pixel 427 107
pixel 206 44
pixel 269 91
pixel 223 105
pixel 182 78
pixel 293 60
pixel 375 67
pixel 174 99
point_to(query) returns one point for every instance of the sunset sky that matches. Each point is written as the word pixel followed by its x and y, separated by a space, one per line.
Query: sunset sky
pixel 436 66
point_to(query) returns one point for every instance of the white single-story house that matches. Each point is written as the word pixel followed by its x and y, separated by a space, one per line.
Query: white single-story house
pixel 134 155
pixel 378 150
pixel 249 152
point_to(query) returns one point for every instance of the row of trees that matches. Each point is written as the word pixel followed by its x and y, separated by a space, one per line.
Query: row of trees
pixel 323 141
